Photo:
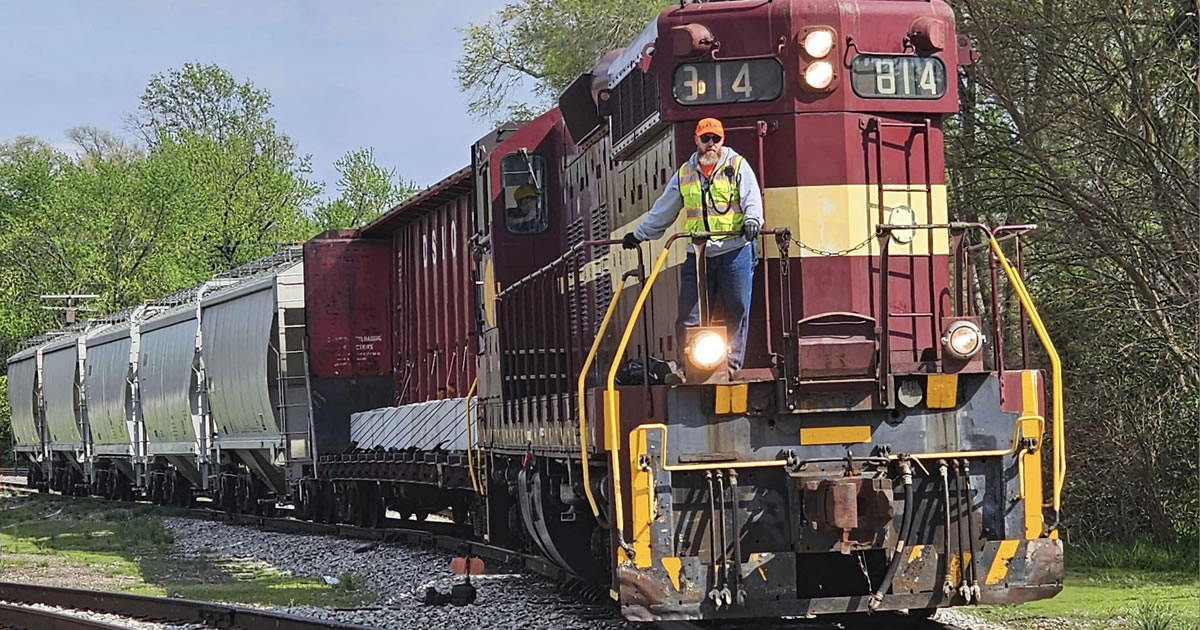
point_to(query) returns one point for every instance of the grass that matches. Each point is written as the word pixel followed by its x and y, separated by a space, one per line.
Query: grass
pixel 1140 585
pixel 1094 598
pixel 1143 554
pixel 91 544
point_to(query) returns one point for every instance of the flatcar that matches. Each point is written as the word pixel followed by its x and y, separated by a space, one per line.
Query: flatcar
pixel 489 349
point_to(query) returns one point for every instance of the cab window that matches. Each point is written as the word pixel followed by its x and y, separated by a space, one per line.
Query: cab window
pixel 523 176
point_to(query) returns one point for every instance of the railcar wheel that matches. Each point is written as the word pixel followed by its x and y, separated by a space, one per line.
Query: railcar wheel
pixel 327 506
pixel 461 511
pixel 304 500
pixel 560 538
pixel 183 491
pixel 369 511
pixel 246 503
pixel 112 489
pixel 78 487
pixel 347 499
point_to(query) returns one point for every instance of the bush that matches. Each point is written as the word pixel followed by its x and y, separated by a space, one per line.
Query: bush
pixel 1143 554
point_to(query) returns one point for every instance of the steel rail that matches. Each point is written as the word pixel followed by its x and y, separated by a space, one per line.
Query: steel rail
pixel 878 621
pixel 169 609
pixel 26 618
pixel 503 557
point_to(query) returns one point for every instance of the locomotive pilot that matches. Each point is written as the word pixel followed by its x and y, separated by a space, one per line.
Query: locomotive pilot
pixel 720 193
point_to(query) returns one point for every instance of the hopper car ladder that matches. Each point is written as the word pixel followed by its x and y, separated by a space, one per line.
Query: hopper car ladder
pixel 283 381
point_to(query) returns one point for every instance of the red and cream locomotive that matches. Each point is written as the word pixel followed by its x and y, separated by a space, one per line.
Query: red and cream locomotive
pixel 866 457
pixel 504 358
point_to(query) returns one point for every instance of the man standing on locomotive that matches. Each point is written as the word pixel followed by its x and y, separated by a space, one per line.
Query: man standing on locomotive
pixel 720 193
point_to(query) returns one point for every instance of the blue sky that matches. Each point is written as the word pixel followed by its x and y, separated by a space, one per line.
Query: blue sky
pixel 342 75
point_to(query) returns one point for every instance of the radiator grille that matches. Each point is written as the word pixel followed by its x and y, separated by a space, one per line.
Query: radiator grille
pixel 635 99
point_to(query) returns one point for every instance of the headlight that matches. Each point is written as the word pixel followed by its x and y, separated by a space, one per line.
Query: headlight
pixel 818 43
pixel 909 393
pixel 818 75
pixel 707 350
pixel 962 340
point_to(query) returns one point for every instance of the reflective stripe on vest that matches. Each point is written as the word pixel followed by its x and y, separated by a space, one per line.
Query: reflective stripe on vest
pixel 720 210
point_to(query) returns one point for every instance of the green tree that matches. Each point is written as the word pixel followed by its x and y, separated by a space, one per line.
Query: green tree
pixel 1082 118
pixel 99 224
pixel 244 178
pixel 365 190
pixel 546 42
pixel 6 437
pixel 31 174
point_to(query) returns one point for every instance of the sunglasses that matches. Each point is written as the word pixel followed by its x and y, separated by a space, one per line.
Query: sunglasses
pixel 710 137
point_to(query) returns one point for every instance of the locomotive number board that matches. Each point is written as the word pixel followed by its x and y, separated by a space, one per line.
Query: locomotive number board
pixel 898 76
pixel 718 82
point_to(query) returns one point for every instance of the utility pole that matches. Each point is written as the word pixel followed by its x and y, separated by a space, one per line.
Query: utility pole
pixel 70 303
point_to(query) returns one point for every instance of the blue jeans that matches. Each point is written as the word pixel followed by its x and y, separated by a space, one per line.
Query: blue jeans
pixel 729 276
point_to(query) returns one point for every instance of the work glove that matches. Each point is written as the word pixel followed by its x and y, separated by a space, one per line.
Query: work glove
pixel 630 241
pixel 750 230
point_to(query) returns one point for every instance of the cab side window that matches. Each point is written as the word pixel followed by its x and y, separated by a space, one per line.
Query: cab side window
pixel 523 176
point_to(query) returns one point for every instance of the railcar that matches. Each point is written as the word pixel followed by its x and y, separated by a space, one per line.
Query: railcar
pixel 204 392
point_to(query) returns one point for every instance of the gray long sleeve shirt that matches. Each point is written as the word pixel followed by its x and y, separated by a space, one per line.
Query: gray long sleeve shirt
pixel 666 209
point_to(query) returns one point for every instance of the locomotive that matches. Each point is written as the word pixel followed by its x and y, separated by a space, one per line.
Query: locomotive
pixel 488 347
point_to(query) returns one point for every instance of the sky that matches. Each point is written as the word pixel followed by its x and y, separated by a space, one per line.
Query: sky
pixel 342 75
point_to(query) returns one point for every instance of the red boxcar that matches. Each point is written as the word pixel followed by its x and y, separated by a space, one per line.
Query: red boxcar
pixel 429 286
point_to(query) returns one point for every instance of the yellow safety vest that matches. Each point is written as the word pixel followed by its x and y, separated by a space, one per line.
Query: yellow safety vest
pixel 720 208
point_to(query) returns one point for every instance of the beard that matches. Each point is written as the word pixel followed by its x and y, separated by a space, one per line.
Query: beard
pixel 709 157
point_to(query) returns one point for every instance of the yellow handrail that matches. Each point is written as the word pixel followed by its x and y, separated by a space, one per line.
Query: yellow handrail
pixel 612 422
pixel 999 452
pixel 610 397
pixel 1056 410
pixel 467 416
pixel 707 466
pixel 587 364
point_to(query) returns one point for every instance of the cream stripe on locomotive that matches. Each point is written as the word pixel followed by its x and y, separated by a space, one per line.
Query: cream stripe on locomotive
pixel 842 218
pixel 829 219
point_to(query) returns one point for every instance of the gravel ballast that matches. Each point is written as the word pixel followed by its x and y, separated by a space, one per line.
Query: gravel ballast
pixel 399 575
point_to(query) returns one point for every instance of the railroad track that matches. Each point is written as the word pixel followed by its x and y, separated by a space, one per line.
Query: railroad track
pixel 430 534
pixel 878 621
pixel 458 539
pixel 139 607
pixel 27 618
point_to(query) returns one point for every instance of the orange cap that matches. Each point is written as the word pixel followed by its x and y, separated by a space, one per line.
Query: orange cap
pixel 710 125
